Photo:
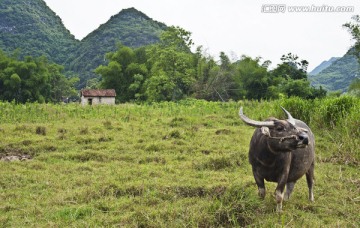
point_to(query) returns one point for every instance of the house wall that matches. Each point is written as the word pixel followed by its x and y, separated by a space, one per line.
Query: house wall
pixel 98 100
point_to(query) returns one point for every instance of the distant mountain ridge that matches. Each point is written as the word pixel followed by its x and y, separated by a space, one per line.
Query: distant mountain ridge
pixel 339 75
pixel 34 29
pixel 325 64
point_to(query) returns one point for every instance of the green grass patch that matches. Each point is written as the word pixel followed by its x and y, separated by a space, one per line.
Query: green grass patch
pixel 169 164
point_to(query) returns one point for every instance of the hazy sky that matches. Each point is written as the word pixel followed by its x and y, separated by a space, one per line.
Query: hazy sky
pixel 237 27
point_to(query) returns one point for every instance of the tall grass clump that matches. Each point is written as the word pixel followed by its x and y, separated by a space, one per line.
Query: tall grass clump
pixel 334 111
pixel 237 207
pixel 338 119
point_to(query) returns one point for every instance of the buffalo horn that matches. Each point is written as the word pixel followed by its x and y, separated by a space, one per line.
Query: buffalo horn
pixel 255 123
pixel 290 119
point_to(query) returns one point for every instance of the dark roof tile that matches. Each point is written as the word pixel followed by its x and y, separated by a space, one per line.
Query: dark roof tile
pixel 98 93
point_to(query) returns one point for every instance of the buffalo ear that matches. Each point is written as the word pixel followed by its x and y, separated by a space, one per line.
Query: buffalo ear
pixel 265 131
pixel 303 129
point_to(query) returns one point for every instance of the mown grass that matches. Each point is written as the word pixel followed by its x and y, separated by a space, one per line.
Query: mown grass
pixel 169 165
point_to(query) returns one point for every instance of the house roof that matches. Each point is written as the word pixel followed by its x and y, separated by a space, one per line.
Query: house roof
pixel 98 93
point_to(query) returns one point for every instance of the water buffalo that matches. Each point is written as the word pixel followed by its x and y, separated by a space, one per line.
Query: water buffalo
pixel 281 151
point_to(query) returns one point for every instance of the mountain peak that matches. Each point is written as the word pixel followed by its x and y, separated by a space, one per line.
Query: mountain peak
pixel 325 64
pixel 126 20
pixel 130 27
pixel 132 13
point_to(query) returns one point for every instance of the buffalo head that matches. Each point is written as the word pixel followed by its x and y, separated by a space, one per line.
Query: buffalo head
pixel 283 135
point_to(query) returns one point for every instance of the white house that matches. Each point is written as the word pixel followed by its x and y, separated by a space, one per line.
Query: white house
pixel 97 96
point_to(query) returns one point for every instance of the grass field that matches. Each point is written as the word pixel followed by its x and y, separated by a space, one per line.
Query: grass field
pixel 169 165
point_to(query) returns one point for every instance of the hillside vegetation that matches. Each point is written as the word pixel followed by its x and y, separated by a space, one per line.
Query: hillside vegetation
pixel 129 27
pixel 31 28
pixel 33 80
pixel 35 30
pixel 339 74
pixel 168 165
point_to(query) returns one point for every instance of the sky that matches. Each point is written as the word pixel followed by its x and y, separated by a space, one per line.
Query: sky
pixel 255 28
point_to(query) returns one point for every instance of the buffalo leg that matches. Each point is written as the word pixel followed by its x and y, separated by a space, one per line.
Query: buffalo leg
pixel 289 188
pixel 282 181
pixel 279 196
pixel 260 183
pixel 310 181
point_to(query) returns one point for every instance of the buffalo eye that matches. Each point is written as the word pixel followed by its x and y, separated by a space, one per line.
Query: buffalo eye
pixel 280 128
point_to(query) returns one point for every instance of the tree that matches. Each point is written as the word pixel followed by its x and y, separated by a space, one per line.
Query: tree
pixel 123 73
pixel 354 30
pixel 252 79
pixel 177 38
pixel 290 78
pixel 163 71
pixel 171 66
pixel 291 67
pixel 33 80
pixel 208 83
pixel 61 88
pixel 298 88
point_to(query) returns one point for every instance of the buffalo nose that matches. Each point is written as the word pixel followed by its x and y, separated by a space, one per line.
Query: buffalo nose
pixel 304 138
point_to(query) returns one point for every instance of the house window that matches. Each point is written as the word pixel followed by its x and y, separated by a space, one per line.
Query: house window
pixel 90 101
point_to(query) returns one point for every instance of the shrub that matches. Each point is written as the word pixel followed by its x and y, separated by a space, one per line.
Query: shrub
pixel 40 130
pixel 107 124
pixel 84 131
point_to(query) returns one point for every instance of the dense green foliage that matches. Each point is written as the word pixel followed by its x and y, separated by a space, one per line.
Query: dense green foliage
pixel 157 73
pixel 169 71
pixel 124 73
pixel 33 80
pixel 35 29
pixel 169 165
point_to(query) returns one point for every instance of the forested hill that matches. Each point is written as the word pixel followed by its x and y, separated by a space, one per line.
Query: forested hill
pixel 339 74
pixel 130 27
pixel 34 29
pixel 325 64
